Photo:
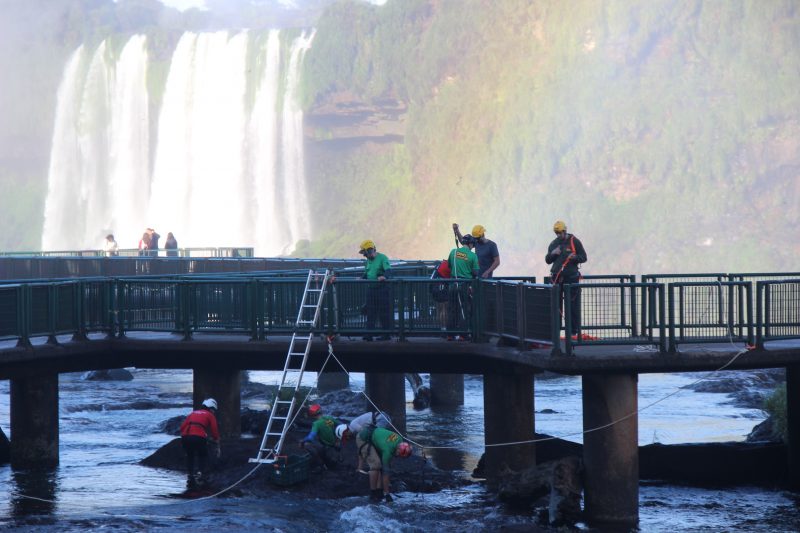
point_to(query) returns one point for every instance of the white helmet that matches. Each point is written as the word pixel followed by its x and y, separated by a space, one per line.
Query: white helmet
pixel 211 403
pixel 340 429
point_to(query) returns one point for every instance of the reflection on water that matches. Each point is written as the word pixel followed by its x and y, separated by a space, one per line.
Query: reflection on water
pixel 33 491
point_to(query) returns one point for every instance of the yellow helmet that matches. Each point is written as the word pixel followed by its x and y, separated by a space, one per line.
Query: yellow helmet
pixel 559 226
pixel 478 231
pixel 366 245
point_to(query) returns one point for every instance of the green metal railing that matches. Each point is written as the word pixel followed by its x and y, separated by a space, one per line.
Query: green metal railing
pixel 263 304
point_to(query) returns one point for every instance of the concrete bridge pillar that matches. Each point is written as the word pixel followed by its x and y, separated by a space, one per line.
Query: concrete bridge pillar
pixel 224 385
pixel 388 391
pixel 508 417
pixel 611 454
pixel 447 390
pixel 34 421
pixel 328 381
pixel 793 423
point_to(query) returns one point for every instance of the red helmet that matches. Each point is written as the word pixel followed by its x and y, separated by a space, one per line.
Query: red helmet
pixel 314 410
pixel 403 449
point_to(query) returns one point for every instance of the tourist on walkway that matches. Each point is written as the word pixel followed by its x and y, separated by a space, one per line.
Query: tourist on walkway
pixel 171 245
pixel 378 446
pixel 379 302
pixel 197 429
pixel 486 250
pixel 463 265
pixel 153 241
pixel 144 244
pixel 565 255
pixel 110 247
pixel 321 440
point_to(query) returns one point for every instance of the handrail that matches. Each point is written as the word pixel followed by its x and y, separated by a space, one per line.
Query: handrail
pixel 261 305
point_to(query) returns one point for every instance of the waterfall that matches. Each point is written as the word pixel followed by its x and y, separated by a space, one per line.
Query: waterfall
pixel 228 161
pixel 292 146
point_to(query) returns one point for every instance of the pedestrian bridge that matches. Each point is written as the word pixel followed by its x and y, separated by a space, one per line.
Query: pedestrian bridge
pixel 219 315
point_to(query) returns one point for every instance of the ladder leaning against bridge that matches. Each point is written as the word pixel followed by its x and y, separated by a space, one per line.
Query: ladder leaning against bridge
pixel 283 409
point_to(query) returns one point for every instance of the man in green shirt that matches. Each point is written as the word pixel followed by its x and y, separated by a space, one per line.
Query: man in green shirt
pixel 378 306
pixel 463 265
pixel 321 440
pixel 378 446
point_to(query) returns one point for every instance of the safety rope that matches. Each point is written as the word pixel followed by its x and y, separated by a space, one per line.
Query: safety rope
pixel 544 439
pixel 235 484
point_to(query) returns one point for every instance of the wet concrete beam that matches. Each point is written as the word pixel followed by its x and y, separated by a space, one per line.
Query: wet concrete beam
pixel 331 380
pixel 224 385
pixel 793 423
pixel 611 454
pixel 508 417
pixel 34 421
pixel 447 390
pixel 388 391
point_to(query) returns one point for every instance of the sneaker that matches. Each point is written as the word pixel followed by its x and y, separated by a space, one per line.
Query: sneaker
pixel 388 498
pixel 375 495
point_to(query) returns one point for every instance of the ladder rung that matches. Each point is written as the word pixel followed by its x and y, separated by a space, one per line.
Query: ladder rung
pixel 310 305
pixel 283 401
pixel 297 353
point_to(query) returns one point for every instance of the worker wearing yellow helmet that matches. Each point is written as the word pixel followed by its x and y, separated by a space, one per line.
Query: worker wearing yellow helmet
pixel 486 250
pixel 565 255
pixel 378 306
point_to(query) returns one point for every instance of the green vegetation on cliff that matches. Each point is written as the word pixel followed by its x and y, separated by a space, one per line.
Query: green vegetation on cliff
pixel 666 133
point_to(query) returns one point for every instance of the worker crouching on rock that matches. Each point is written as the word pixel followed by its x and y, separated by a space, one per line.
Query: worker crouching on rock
pixel 320 442
pixel 378 446
pixel 196 430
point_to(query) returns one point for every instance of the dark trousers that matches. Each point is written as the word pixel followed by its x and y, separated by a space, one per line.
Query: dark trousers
pixel 459 306
pixel 195 447
pixel 379 306
pixel 575 304
pixel 320 454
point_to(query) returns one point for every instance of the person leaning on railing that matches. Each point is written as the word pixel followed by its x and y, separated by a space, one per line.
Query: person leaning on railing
pixel 565 255
pixel 378 306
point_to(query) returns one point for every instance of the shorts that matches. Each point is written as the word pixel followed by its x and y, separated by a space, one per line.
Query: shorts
pixel 369 453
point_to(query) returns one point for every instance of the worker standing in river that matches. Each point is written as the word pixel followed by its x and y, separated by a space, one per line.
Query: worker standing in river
pixel 196 430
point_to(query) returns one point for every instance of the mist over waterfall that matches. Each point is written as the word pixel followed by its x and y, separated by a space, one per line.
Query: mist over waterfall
pixel 225 166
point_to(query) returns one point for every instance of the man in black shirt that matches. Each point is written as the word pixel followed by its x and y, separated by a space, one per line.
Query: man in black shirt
pixel 565 253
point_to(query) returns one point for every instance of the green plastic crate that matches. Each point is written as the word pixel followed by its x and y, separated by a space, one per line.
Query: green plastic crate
pixel 289 470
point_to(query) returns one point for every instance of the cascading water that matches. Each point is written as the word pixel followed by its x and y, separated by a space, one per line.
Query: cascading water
pixel 228 165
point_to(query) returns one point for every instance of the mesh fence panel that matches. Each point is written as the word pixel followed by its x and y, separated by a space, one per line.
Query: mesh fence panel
pixel 781 309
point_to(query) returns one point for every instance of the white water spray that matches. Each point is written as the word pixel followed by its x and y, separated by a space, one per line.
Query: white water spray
pixel 228 164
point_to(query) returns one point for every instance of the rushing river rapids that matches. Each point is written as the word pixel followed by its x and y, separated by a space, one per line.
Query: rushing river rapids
pixel 105 432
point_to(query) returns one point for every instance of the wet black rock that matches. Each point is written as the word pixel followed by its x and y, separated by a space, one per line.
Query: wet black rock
pixel 413 474
pixel 556 484
pixel 344 404
pixel 715 464
pixel 114 374
pixel 5 448
pixel 764 432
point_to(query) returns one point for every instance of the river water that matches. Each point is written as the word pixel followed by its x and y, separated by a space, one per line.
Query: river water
pixel 104 434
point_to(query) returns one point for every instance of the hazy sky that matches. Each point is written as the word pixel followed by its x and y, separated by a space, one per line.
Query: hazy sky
pixel 188 4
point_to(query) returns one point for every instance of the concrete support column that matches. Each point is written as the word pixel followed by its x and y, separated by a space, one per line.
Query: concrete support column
pixel 224 385
pixel 793 423
pixel 34 421
pixel 388 391
pixel 508 417
pixel 611 454
pixel 328 381
pixel 447 390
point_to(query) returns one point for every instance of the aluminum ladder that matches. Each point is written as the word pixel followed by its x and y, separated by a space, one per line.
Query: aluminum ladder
pixel 283 410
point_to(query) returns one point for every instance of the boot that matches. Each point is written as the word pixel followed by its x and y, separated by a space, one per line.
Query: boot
pixel 376 495
pixel 191 482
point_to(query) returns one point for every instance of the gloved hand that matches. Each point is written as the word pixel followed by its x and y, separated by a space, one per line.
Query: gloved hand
pixel 388 498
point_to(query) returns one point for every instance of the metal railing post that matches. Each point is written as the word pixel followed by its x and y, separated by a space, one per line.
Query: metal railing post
pixel 749 306
pixel 520 315
pixel 671 311
pixel 401 307
pixel 760 314
pixel 662 333
pixel 555 320
pixel 567 317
